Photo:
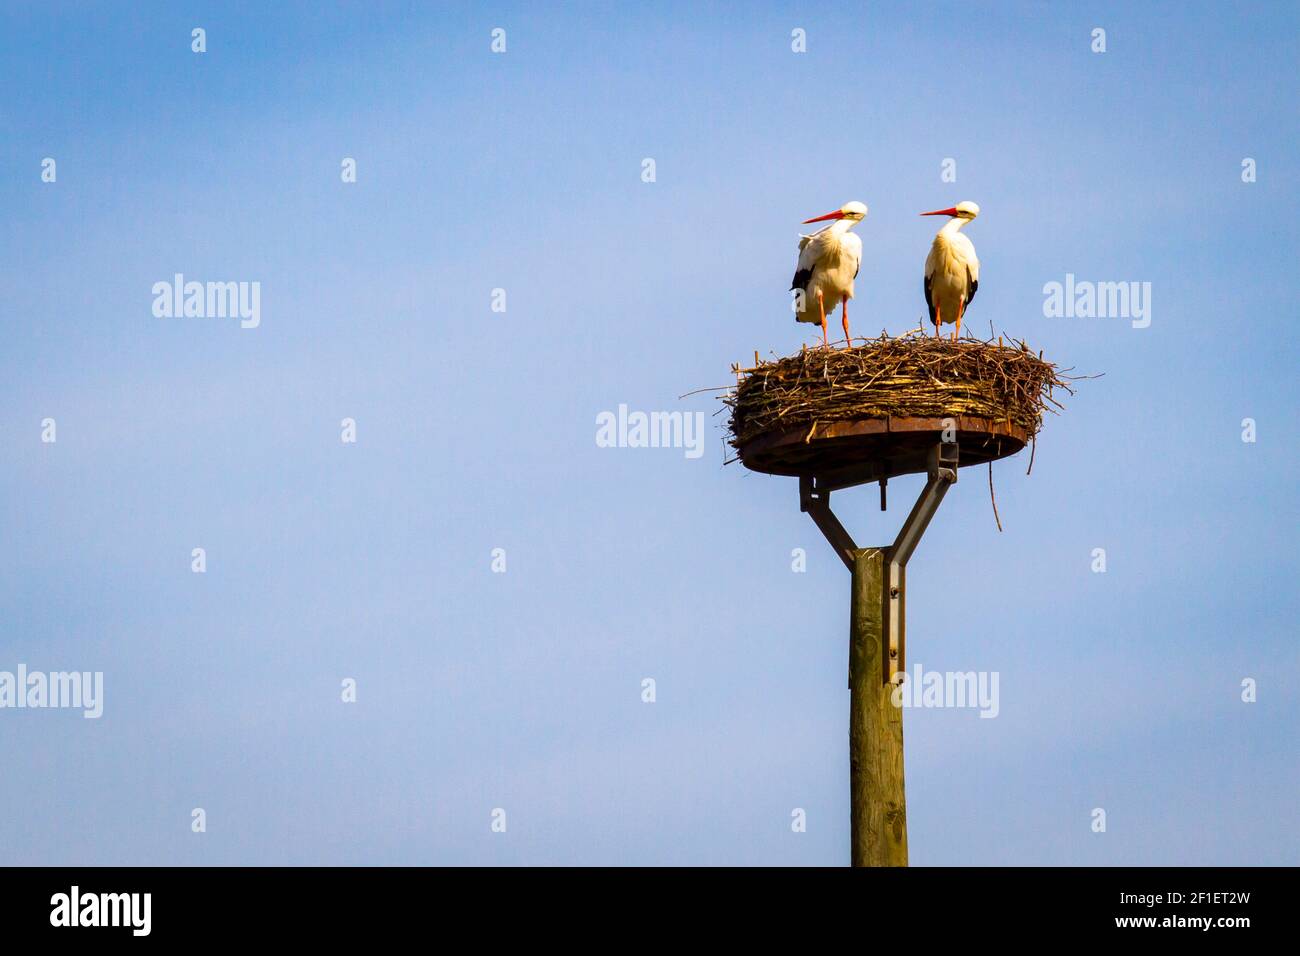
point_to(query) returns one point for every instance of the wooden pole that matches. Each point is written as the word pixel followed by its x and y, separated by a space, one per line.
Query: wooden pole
pixel 878 807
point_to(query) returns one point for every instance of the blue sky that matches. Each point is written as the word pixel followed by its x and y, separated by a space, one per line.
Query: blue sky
pixel 522 690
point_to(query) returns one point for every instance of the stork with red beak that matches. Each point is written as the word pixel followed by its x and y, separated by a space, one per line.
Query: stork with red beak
pixel 828 264
pixel 952 270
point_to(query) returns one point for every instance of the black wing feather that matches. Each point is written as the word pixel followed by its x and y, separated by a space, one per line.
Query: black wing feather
pixel 971 286
pixel 801 279
pixel 929 301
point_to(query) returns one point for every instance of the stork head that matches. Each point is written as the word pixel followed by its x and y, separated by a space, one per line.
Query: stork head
pixel 963 210
pixel 852 211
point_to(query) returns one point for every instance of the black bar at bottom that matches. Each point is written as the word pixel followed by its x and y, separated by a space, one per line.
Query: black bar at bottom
pixel 335 905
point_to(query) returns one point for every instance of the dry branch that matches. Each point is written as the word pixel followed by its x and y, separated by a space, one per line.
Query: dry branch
pixel 914 375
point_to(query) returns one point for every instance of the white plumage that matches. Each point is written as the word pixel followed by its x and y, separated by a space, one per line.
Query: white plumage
pixel 828 263
pixel 952 270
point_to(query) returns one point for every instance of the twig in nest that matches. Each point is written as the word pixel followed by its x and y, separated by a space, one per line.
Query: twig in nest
pixel 697 391
pixel 993 498
pixel 910 376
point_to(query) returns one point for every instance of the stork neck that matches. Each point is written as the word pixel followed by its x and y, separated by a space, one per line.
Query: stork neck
pixel 840 226
pixel 952 227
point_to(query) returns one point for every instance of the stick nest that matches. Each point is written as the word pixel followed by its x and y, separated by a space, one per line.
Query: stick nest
pixel 912 376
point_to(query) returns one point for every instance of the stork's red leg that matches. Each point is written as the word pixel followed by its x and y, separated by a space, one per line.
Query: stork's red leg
pixel 938 319
pixel 848 342
pixel 821 307
pixel 961 307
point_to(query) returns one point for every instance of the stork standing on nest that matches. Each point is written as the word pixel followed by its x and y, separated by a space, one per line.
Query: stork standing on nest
pixel 952 270
pixel 828 264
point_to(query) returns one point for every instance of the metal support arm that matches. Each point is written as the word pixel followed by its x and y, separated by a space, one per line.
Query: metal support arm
pixel 942 475
pixel 815 499
pixel 817 502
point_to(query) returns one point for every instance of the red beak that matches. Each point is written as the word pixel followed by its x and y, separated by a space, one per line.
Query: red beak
pixel 951 211
pixel 830 215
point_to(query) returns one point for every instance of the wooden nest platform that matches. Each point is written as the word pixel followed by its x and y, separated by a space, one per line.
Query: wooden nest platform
pixel 876 410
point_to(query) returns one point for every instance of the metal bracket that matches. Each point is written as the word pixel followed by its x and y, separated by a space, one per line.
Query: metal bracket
pixel 815 499
pixel 942 475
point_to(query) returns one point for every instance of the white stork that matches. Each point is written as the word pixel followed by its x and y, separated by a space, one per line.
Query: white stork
pixel 828 264
pixel 952 270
